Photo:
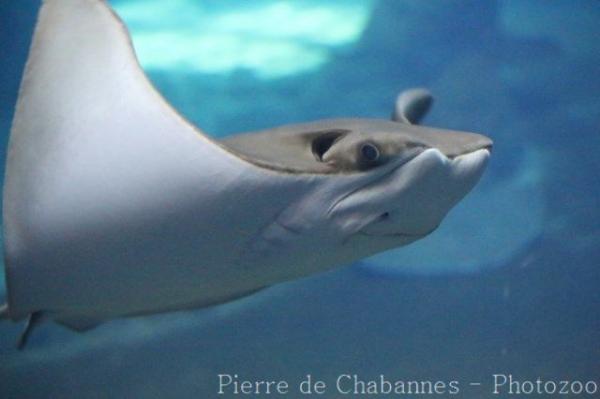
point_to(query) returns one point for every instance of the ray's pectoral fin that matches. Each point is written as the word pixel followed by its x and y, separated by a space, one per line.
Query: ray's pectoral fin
pixel 412 106
pixel 87 139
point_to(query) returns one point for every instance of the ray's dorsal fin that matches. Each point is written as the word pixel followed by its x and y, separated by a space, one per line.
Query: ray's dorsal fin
pixel 412 105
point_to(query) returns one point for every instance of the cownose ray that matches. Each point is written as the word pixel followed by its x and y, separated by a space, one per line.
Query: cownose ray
pixel 116 206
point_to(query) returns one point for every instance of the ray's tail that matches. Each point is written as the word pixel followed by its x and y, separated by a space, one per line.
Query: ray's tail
pixel 4 312
pixel 35 319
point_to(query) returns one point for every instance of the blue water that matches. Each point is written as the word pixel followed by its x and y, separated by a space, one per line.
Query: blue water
pixel 509 284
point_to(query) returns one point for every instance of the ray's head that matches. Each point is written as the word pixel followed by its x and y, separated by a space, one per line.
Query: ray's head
pixel 382 184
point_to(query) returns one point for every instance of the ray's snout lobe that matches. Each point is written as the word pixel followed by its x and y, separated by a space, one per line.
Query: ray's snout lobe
pixel 451 143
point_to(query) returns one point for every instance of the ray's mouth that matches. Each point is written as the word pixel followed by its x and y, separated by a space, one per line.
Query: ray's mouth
pixel 392 235
pixel 382 218
pixel 415 236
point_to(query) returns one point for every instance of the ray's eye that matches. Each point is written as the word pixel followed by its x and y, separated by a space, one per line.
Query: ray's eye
pixel 369 152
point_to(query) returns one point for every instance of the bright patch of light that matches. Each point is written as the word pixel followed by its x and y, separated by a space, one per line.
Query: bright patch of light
pixel 271 39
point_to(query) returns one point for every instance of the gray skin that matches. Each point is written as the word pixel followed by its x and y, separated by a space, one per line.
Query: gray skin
pixel 347 145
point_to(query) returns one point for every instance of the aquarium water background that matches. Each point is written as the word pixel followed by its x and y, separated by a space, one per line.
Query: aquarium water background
pixel 510 283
